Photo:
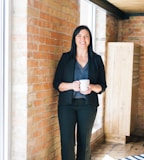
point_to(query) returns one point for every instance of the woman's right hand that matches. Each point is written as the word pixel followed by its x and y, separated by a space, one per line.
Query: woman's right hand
pixel 76 86
pixel 65 86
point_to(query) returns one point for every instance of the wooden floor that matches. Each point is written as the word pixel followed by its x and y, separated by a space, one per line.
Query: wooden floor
pixel 115 151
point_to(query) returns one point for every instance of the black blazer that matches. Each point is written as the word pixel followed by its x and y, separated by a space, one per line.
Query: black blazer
pixel 65 73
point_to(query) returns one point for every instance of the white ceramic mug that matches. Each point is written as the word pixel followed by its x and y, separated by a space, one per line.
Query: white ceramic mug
pixel 84 83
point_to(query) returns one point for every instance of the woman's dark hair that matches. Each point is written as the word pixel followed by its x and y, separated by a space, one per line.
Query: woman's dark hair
pixel 73 44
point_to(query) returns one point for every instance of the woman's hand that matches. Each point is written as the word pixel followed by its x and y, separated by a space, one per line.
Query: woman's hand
pixel 87 91
pixel 95 88
pixel 76 86
pixel 64 86
pixel 92 87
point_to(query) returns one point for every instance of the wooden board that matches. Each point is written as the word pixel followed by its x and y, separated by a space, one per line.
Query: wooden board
pixel 122 93
pixel 119 91
pixel 129 6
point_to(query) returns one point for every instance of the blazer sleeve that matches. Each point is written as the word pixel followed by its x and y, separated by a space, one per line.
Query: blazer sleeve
pixel 101 75
pixel 59 72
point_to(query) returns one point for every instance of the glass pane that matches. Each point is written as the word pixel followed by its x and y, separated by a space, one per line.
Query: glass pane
pixel 95 18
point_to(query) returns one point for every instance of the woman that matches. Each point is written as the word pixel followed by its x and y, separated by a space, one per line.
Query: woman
pixel 75 107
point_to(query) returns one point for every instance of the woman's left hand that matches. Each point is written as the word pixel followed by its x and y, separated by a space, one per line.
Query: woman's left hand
pixel 92 87
pixel 87 91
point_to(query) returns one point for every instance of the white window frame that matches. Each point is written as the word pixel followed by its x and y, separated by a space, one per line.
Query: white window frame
pixel 1 84
pixel 5 84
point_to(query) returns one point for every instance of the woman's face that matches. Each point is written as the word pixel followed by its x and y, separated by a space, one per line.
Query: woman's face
pixel 82 39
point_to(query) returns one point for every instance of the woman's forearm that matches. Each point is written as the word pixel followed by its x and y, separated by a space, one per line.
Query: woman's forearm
pixel 96 88
pixel 65 86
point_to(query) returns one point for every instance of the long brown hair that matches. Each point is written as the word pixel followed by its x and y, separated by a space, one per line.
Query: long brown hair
pixel 73 43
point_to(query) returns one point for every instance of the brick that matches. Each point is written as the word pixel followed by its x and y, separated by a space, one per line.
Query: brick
pixel 50 25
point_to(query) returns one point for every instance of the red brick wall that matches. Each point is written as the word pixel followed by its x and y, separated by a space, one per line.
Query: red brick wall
pixel 111 29
pixel 132 30
pixel 50 26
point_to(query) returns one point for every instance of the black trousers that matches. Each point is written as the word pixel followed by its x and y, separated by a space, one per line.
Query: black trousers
pixel 81 115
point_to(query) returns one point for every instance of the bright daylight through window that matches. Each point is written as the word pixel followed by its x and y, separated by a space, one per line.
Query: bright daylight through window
pixel 95 18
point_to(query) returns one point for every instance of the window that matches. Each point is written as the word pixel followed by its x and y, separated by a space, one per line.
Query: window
pixel 95 18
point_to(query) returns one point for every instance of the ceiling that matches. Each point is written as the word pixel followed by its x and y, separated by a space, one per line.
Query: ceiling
pixel 129 6
pixel 122 9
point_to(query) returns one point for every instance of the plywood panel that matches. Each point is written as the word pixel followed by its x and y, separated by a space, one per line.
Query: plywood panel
pixel 122 66
pixel 118 95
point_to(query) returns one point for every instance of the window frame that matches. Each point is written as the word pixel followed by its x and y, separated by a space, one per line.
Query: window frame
pixel 5 76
